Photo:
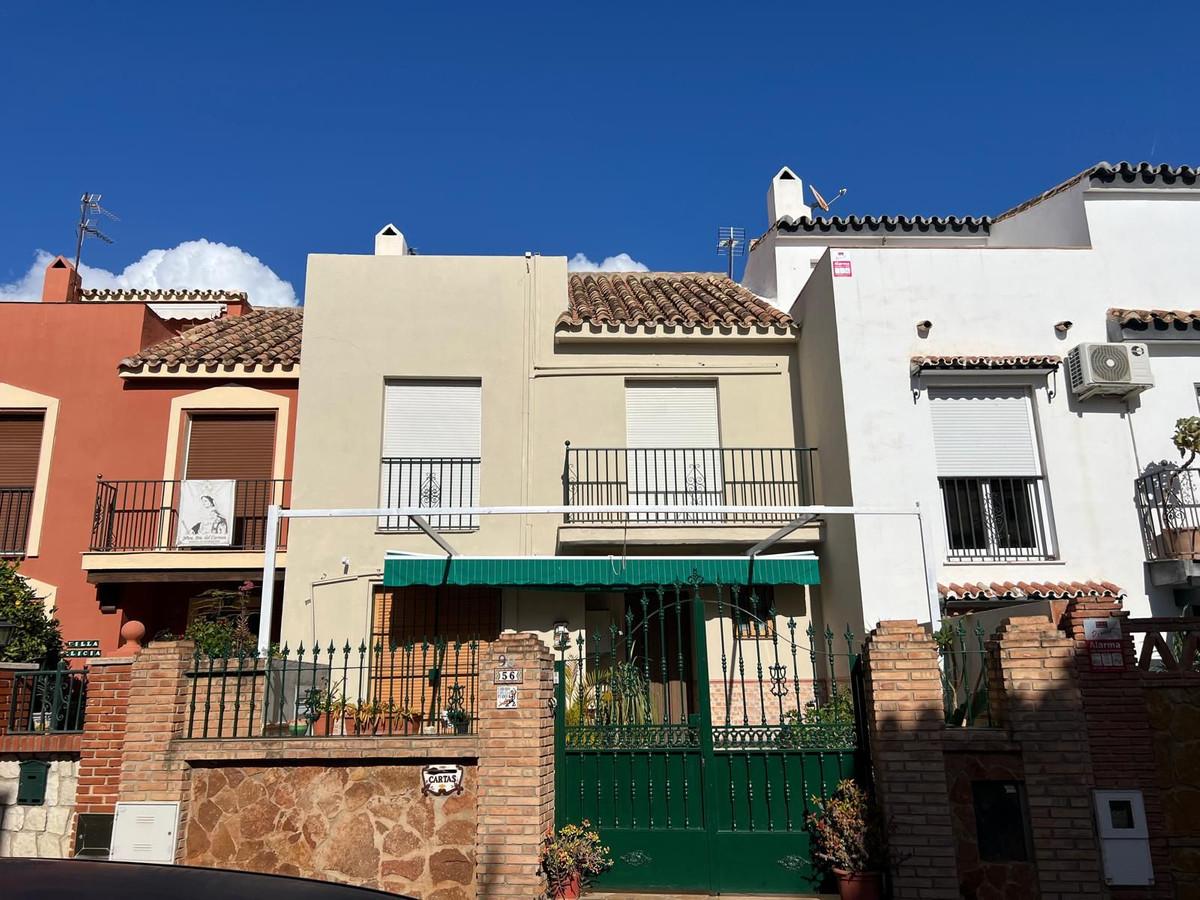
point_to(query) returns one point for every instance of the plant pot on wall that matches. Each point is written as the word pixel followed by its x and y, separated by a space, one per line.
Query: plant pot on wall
pixel 859 885
pixel 1182 543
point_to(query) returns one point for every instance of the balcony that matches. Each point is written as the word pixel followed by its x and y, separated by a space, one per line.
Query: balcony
pixel 140 516
pixel 1168 505
pixel 15 506
pixel 996 519
pixel 686 476
pixel 429 481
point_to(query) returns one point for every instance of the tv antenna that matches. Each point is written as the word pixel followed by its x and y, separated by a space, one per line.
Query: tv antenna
pixel 89 208
pixel 731 242
pixel 822 202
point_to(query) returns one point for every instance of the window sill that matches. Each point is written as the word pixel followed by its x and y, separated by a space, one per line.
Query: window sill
pixel 419 531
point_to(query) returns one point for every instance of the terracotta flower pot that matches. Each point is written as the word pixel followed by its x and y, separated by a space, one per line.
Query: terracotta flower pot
pixel 411 725
pixel 570 890
pixel 1182 543
pixel 859 885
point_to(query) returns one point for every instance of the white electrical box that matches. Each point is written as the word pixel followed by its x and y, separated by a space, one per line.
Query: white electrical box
pixel 1124 837
pixel 145 832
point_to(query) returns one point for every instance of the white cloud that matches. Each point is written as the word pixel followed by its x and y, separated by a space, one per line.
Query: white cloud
pixel 198 264
pixel 622 262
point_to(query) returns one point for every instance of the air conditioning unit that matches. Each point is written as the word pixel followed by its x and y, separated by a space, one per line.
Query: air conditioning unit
pixel 1109 370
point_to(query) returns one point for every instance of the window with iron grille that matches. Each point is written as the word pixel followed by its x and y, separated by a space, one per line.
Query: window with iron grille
pixel 425 648
pixel 431 451
pixel 989 471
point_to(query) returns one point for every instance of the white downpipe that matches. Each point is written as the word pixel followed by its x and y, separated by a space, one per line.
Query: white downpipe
pixel 276 513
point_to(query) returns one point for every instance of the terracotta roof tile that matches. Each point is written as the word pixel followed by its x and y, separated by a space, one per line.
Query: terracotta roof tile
pixel 688 299
pixel 1028 590
pixel 954 225
pixel 1033 361
pixel 1179 319
pixel 261 337
pixel 157 295
pixel 1122 174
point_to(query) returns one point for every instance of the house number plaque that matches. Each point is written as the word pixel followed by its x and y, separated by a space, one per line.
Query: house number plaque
pixel 509 676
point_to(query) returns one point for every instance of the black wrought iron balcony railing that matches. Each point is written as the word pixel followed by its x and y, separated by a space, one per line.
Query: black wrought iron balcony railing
pixel 429 481
pixel 996 519
pixel 49 701
pixel 687 476
pixel 1168 504
pixel 132 516
pixel 16 503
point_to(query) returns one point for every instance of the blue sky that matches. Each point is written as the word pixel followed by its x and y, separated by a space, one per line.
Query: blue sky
pixel 284 129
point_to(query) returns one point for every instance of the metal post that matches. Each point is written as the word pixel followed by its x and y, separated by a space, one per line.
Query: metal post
pixel 267 604
pixel 935 612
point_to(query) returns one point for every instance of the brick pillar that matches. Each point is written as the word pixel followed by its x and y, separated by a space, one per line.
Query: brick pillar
pixel 103 741
pixel 907 727
pixel 7 672
pixel 1035 691
pixel 516 770
pixel 158 698
pixel 1119 733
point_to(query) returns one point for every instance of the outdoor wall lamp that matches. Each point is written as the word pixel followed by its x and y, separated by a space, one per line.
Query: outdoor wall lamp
pixel 562 636
pixel 923 327
pixel 1064 326
pixel 6 632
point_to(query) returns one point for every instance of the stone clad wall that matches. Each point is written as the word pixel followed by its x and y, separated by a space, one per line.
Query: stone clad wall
pixel 360 824
pixel 41 831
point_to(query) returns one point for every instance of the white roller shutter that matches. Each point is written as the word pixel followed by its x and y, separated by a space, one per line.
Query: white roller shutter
pixel 431 444
pixel 683 414
pixel 674 456
pixel 983 431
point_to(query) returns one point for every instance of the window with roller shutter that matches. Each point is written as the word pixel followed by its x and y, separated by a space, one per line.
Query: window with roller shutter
pixel 20 455
pixel 989 470
pixel 239 446
pixel 430 455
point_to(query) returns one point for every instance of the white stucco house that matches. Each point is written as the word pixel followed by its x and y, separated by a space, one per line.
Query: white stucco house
pixel 937 368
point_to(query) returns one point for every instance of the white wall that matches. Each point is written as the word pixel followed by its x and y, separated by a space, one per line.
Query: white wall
pixel 1006 301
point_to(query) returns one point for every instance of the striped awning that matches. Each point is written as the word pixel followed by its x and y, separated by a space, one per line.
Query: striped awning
pixel 595 572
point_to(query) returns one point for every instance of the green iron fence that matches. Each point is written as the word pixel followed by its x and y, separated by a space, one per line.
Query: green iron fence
pixel 704 781
pixel 964 673
pixel 48 701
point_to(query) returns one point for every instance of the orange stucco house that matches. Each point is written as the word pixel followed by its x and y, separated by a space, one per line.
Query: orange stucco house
pixel 143 433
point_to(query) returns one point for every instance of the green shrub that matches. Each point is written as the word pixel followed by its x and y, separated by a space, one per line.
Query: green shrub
pixel 37 636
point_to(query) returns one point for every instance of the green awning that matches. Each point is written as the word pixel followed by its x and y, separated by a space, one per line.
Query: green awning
pixel 587 572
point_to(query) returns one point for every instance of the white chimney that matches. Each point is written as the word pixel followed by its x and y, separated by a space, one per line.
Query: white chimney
pixel 390 242
pixel 786 197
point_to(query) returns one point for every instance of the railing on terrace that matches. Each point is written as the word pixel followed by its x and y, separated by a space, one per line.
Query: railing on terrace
pixel 964 671
pixel 429 481
pixel 48 701
pixel 15 506
pixel 1167 645
pixel 995 519
pixel 1168 503
pixel 417 688
pixel 144 515
pixel 686 476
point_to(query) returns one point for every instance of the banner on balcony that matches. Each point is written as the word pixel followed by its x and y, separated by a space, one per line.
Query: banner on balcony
pixel 206 513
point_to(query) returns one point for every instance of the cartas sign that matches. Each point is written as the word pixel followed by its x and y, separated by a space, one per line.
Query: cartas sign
pixel 442 781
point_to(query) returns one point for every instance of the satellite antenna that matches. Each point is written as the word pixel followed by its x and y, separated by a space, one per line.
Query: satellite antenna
pixel 822 202
pixel 89 206
pixel 731 242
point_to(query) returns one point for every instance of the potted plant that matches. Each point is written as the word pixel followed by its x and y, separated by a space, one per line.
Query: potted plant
pixel 570 858
pixel 1181 528
pixel 458 719
pixel 847 839
pixel 408 719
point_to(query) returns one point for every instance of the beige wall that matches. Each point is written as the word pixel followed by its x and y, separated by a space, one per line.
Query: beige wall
pixel 371 318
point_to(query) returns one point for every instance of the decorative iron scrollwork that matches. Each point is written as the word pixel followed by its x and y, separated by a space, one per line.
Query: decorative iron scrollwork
pixel 793 863
pixel 636 858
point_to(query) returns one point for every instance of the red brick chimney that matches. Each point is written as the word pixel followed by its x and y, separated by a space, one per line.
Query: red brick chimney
pixel 62 282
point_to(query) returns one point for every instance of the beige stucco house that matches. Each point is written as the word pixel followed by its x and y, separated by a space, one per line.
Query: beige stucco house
pixel 439 381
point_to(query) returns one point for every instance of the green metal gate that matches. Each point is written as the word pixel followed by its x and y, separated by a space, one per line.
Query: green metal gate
pixel 694 734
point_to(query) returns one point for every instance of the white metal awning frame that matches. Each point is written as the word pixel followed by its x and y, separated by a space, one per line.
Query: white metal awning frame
pixel 420 516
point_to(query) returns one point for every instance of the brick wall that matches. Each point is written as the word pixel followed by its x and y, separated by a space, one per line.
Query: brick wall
pixel 1173 702
pixel 1035 696
pixel 516 770
pixel 102 745
pixel 906 724
pixel 1119 733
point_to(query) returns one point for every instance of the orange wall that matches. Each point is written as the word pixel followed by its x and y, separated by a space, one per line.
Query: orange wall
pixel 106 425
